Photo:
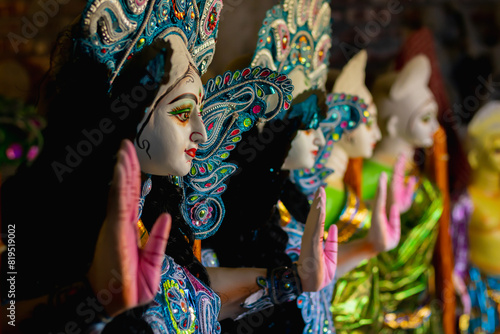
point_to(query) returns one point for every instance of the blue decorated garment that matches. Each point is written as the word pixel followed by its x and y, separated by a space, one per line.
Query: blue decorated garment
pixel 484 291
pixel 183 304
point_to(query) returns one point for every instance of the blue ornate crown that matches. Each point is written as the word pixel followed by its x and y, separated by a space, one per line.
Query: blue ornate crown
pixel 294 34
pixel 345 113
pixel 310 111
pixel 113 30
pixel 234 102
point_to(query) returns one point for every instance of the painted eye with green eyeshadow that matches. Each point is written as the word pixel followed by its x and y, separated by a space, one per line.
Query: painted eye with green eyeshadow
pixel 182 112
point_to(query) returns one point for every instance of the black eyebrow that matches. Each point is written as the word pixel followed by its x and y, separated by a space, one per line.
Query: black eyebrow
pixel 185 96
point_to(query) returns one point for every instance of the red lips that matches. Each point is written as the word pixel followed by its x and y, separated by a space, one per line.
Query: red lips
pixel 191 152
pixel 315 152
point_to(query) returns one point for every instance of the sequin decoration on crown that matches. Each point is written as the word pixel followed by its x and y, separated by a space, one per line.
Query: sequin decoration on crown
pixel 113 30
pixel 294 34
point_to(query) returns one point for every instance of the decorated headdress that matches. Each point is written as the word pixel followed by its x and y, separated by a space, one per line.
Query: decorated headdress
pixel 347 105
pixel 113 30
pixel 234 103
pixel 345 113
pixel 296 35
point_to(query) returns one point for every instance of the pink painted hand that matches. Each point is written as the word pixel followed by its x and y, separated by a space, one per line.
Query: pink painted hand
pixel 384 233
pixel 317 264
pixel 401 194
pixel 120 268
pixel 330 253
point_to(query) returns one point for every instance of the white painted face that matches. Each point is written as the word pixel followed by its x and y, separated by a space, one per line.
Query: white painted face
pixel 305 147
pixel 423 124
pixel 172 129
pixel 361 141
pixel 409 108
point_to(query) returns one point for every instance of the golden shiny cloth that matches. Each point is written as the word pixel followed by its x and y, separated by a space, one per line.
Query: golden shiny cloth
pixel 143 233
pixel 353 220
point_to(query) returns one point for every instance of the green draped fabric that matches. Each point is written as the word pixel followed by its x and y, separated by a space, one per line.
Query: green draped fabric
pixel 395 283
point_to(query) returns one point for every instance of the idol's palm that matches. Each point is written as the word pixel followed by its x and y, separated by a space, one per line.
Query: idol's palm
pixel 129 274
pixel 385 232
pixel 317 262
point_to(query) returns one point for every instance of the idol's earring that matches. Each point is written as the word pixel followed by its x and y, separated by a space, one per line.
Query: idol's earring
pixel 146 188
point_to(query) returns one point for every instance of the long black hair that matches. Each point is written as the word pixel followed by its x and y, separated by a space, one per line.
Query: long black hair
pixel 166 197
pixel 58 204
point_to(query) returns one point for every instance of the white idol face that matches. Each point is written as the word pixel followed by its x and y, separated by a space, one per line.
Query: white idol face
pixel 305 147
pixel 361 141
pixel 423 124
pixel 172 129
